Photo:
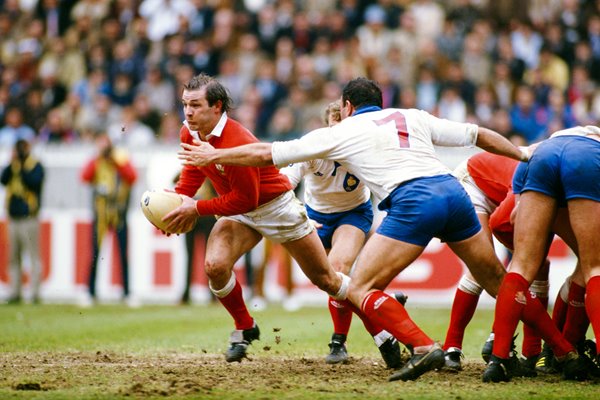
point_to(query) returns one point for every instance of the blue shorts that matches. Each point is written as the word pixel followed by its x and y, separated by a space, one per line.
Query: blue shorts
pixel 519 177
pixel 424 208
pixel 360 217
pixel 565 168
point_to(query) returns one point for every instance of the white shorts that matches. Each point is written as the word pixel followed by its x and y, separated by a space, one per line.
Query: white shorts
pixel 482 204
pixel 281 220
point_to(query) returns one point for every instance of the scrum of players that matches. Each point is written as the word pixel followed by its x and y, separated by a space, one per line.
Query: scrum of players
pixel 521 196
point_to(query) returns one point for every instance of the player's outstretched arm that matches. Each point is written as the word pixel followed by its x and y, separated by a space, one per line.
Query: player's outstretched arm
pixel 201 154
pixel 494 142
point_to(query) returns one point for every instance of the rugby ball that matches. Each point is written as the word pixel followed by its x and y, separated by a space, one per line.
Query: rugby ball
pixel 158 203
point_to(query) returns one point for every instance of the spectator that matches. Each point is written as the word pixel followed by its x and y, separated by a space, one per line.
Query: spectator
pixel 164 16
pixel 374 37
pixel 283 125
pixel 427 89
pixel 98 116
pixel 451 106
pixel 110 174
pixel 130 131
pixel 14 128
pixel 145 113
pixel 554 70
pixel 56 130
pixel 526 43
pixel 23 178
pixel 485 104
pixel 527 117
pixel 36 109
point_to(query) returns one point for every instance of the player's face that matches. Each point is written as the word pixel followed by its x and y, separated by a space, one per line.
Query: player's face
pixel 199 115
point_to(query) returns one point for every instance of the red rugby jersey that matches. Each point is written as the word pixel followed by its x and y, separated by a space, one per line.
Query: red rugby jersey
pixel 239 189
pixel 493 174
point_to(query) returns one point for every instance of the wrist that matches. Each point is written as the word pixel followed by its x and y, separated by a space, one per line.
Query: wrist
pixel 524 156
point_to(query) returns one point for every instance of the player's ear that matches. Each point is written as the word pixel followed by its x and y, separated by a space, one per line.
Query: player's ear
pixel 219 105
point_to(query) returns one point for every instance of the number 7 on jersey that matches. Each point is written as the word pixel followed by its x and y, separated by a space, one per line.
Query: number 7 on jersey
pixel 401 128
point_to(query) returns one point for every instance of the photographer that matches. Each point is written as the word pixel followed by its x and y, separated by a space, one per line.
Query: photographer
pixel 23 179
pixel 111 175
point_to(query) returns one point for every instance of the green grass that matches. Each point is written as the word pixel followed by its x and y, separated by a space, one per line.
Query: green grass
pixel 106 352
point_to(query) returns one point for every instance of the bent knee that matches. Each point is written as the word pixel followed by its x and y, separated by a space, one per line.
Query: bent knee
pixel 217 270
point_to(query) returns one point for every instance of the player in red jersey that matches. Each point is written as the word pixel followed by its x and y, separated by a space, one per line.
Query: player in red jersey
pixel 252 202
pixel 487 178
pixel 562 172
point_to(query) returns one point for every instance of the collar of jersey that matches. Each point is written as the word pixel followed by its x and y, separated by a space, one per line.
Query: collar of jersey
pixel 366 109
pixel 217 130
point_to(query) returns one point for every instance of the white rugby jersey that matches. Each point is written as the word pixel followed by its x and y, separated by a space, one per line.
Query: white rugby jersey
pixel 382 148
pixel 328 187
pixel 578 131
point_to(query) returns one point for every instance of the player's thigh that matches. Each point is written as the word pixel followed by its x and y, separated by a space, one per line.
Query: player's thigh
pixel 584 215
pixel 310 255
pixel 346 244
pixel 562 227
pixel 380 260
pixel 228 241
pixel 477 252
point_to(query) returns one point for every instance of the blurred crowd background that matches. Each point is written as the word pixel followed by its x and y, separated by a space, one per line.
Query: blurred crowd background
pixel 71 69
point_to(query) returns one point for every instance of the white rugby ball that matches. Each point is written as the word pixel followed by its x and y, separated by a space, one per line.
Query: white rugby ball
pixel 158 203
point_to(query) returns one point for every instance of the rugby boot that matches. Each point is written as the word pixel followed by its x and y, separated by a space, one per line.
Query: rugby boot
pixel 574 367
pixel 527 365
pixel 420 363
pixel 546 363
pixel 453 359
pixel 486 350
pixel 239 342
pixel 587 350
pixel 390 352
pixel 497 370
pixel 337 350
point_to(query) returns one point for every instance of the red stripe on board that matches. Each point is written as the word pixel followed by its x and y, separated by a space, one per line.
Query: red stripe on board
pixel 116 277
pixel 162 268
pixel 46 249
pixel 83 252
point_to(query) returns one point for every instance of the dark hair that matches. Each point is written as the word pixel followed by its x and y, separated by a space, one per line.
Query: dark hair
pixel 362 92
pixel 215 91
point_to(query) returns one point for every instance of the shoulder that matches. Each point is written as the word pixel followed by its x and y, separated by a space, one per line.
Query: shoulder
pixel 235 134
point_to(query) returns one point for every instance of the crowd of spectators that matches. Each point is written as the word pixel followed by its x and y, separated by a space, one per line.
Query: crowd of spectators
pixel 70 69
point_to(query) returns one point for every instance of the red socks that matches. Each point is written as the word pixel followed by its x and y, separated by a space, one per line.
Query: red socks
pixel 383 310
pixel 509 306
pixel 341 315
pixel 463 308
pixel 532 340
pixel 577 322
pixel 234 303
pixel 592 305
pixel 559 313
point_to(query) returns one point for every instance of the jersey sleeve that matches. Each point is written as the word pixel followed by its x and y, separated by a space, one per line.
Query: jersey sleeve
pixel 315 144
pixel 450 133
pixel 295 172
pixel 190 180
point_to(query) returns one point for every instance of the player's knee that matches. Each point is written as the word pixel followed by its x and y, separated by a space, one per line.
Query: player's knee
pixel 216 269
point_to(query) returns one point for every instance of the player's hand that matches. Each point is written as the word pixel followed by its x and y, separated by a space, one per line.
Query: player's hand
pixel 198 154
pixel 183 218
